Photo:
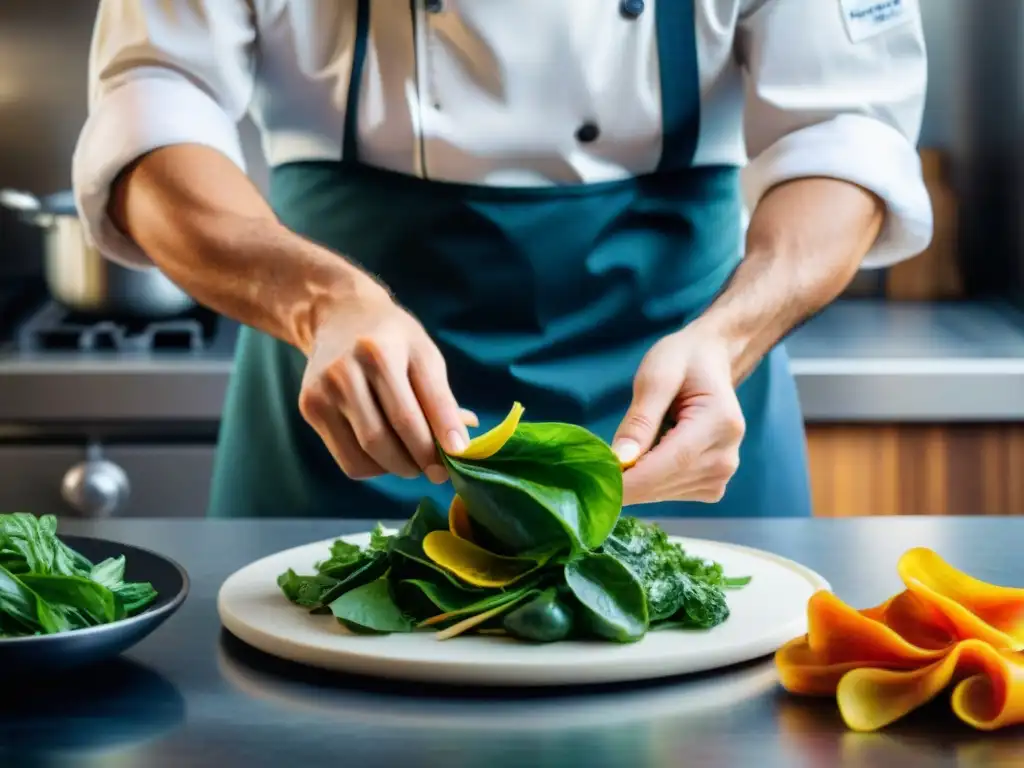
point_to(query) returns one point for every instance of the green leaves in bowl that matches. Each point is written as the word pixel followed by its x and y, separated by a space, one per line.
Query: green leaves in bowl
pixel 46 587
pixel 533 547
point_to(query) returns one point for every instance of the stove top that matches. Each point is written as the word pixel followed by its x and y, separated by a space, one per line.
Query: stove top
pixel 34 325
pixel 55 329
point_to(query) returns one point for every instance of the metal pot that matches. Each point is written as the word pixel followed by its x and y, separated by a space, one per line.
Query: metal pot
pixel 80 277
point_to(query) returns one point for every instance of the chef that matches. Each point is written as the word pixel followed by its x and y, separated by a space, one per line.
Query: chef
pixel 611 211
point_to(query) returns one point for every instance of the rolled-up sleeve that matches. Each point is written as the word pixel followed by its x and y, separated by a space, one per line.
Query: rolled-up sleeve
pixel 160 73
pixel 836 88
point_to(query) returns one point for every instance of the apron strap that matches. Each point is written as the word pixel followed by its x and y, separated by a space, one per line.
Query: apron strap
pixel 680 83
pixel 350 141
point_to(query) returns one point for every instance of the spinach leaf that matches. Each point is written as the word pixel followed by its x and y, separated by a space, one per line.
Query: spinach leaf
pixel 44 578
pixel 134 596
pixel 88 598
pixel 372 568
pixel 483 605
pixel 545 619
pixel 345 558
pixel 379 541
pixel 703 605
pixel 371 608
pixel 408 541
pixel 612 598
pixel 735 582
pixel 672 580
pixel 441 596
pixel 344 550
pixel 551 487
pixel 109 573
pixel 24 609
pixel 307 591
pixel 29 544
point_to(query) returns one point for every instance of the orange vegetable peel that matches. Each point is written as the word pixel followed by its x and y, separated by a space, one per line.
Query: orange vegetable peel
pixel 458 519
pixel 946 628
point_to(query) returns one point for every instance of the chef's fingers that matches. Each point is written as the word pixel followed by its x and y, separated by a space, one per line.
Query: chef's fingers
pixel 388 374
pixel 428 375
pixel 469 418
pixel 654 390
pixel 684 459
pixel 343 444
pixel 372 429
pixel 337 435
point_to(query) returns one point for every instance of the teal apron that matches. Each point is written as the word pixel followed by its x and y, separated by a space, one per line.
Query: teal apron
pixel 550 296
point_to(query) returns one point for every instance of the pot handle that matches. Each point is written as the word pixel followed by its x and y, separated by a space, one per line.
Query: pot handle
pixel 26 204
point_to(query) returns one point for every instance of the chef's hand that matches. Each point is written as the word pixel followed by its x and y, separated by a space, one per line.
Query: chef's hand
pixel 686 379
pixel 376 391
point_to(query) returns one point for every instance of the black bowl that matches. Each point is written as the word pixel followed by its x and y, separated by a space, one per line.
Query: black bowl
pixel 64 650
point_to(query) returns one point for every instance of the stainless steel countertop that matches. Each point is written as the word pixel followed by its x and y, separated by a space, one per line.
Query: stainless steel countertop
pixel 859 360
pixel 190 695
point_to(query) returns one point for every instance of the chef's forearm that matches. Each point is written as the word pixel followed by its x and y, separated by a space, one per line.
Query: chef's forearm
pixel 805 242
pixel 206 226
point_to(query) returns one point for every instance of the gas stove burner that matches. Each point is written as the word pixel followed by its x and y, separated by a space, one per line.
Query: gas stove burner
pixel 55 329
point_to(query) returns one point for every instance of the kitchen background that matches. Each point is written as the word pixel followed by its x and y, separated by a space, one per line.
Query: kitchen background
pixel 912 384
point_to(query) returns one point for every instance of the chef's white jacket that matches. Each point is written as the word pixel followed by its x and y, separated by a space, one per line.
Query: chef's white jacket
pixel 493 92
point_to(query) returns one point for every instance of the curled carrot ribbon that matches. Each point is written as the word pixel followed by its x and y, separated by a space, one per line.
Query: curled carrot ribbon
pixel 882 663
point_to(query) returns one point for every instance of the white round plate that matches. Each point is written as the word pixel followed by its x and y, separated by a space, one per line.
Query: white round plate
pixel 768 612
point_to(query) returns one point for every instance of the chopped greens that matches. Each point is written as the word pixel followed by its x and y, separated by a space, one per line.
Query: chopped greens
pixel 534 546
pixel 46 587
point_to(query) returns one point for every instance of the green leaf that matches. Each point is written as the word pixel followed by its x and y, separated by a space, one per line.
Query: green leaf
pixel 482 605
pixel 551 486
pixel 610 595
pixel 703 605
pixel 423 598
pixel 29 544
pixel 372 568
pixel 379 541
pixel 89 598
pixel 345 550
pixel 307 591
pixel 371 608
pixel 545 619
pixel 408 542
pixel 24 609
pixel 135 596
pixel 736 582
pixel 46 586
pixel 345 558
pixel 428 517
pixel 666 572
pixel 109 573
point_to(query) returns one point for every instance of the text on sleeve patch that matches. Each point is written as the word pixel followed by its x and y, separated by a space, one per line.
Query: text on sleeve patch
pixel 867 18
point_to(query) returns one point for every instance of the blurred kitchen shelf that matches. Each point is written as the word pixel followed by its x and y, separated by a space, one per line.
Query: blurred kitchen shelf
pixel 884 361
pixel 861 360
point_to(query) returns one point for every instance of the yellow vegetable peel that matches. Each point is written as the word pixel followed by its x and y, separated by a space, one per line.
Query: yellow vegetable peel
pixel 489 443
pixel 474 565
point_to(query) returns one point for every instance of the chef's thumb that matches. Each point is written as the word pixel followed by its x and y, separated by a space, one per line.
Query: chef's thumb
pixel 652 397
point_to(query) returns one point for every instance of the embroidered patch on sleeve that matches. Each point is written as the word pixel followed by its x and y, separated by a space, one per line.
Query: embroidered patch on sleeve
pixel 867 18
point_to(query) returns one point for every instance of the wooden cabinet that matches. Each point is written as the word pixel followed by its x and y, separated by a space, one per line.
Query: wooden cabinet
pixel 909 469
